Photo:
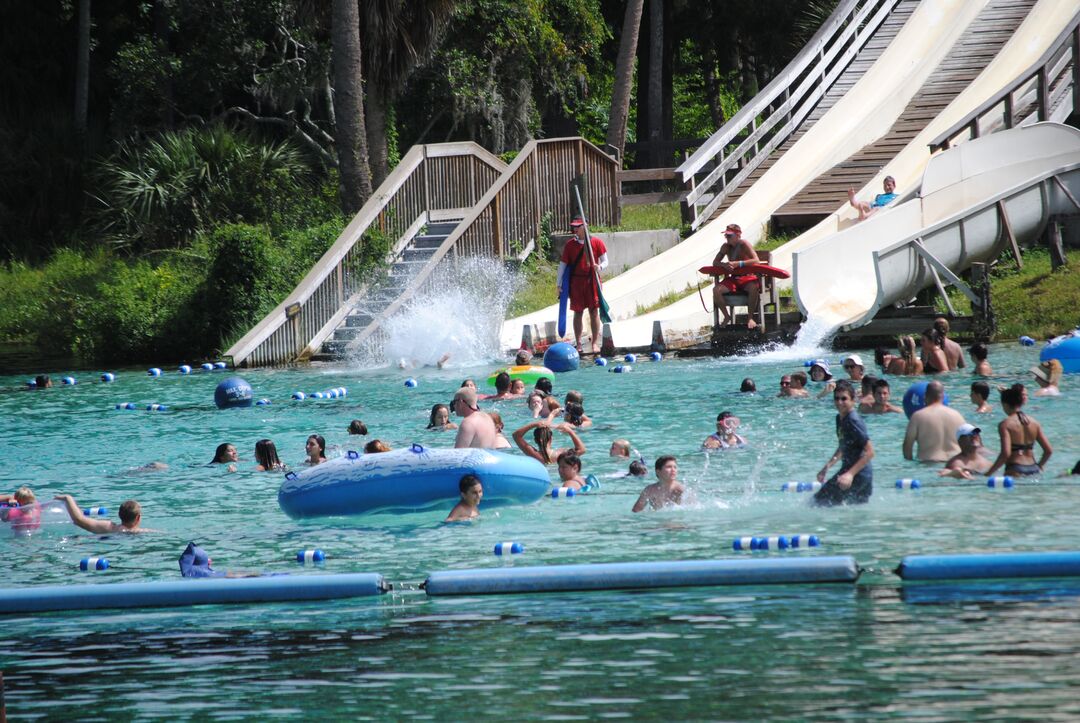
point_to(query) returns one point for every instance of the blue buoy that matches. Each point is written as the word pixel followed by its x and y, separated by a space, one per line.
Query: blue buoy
pixel 797 541
pixel 317 395
pixel 410 383
pixel 233 392
pixel 299 396
pixel 184 369
pixel 915 398
pixel 1027 341
pixel 561 357
pixel 509 548
pixel 800 487
pixel 220 365
pixel 742 544
pixel 31 383
pixel 630 358
pixel 772 542
pixel 306 556
pixel 157 407
pixel 100 511
pixel 908 484
pixel 126 405
pixel 656 356
pixel 600 361
pixel 207 367
pixel 622 369
pixel 332 393
pixel 262 403
pixel 561 492
pixel 69 381
pixel 153 372
pixel 999 482
pixel 90 564
pixel 343 391
pixel 108 377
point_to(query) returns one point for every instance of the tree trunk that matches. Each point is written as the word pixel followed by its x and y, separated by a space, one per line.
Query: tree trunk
pixel 82 72
pixel 376 133
pixel 656 78
pixel 161 34
pixel 712 88
pixel 624 76
pixel 350 136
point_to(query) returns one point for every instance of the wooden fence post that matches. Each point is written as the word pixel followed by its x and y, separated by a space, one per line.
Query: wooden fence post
pixel 1053 240
pixel 983 325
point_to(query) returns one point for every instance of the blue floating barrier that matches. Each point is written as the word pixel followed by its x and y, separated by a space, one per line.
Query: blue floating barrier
pixel 69 381
pixel 908 483
pixel 299 396
pixel 31 383
pixel 127 405
pixel 630 358
pixel 343 391
pixel 91 564
pixel 108 377
pixel 306 556
pixel 317 395
pixel 999 482
pixel 153 372
pixel 562 492
pixel 509 548
pixel 561 357
pixel 207 367
pixel 204 591
pixel 801 541
pixel 772 542
pixel 410 383
pixel 1027 341
pixel 220 365
pixel 332 393
pixel 100 511
pixel 622 369
pixel 990 565
pixel 184 369
pixel 232 393
pixel 642 575
pixel 600 361
pixel 800 487
pixel 157 407
pixel 262 403
pixel 656 356
pixel 743 544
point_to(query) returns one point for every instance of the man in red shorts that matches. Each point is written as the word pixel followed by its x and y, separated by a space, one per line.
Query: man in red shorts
pixel 584 292
pixel 739 253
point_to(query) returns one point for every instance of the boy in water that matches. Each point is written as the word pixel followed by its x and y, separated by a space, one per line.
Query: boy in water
pixel 570 470
pixel 130 517
pixel 854 483
pixel 667 491
pixel 880 404
pixel 472 491
pixel 980 393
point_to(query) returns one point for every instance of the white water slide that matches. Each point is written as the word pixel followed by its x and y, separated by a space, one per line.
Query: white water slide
pixel 864 114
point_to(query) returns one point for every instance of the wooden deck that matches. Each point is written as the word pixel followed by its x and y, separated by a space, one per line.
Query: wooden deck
pixel 979 44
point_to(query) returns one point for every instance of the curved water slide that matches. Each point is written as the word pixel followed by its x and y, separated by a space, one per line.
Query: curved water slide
pixel 862 115
pixel 977 198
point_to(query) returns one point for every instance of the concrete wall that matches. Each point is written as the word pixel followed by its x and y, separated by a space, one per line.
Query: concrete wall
pixel 627 249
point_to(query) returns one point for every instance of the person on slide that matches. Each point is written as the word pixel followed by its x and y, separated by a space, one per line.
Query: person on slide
pixel 866 210
pixel 739 253
pixel 584 292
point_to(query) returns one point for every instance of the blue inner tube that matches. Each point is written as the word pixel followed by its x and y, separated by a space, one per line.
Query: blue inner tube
pixel 410 480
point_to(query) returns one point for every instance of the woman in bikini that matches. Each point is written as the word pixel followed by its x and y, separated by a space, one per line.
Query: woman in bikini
pixel 1019 433
pixel 933 352
pixel 907 364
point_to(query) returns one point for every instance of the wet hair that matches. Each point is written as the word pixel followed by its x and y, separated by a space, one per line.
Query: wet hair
pixel 357 427
pixel 574 396
pixel 375 446
pixel 907 347
pixel 319 440
pixel 941 326
pixel 638 468
pixel 748 385
pixel 497 419
pixel 1013 396
pixel 799 377
pixel 570 459
pixel 935 336
pixel 979 351
pixel 24 496
pixel 574 412
pixel 868 382
pixel 434 410
pixel 219 453
pixel 266 454
pixel 502 383
pixel 544 385
pixel 542 437
pixel 515 382
pixel 661 461
pixel 880 384
pixel 879 355
pixel 467 482
pixel 468 382
pixel 844 386
pixel 41 381
pixel 723 415
pixel 129 512
pixel 981 389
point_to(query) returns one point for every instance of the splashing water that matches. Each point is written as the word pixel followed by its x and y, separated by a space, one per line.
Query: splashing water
pixel 810 343
pixel 460 317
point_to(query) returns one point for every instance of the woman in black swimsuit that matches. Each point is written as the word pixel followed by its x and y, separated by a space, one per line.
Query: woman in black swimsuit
pixel 933 352
pixel 1019 433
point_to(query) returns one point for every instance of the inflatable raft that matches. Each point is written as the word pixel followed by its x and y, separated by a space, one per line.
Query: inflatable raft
pixel 410 480
pixel 527 374
pixel 1065 349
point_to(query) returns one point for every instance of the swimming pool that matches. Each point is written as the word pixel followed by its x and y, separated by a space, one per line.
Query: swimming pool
pixel 875 650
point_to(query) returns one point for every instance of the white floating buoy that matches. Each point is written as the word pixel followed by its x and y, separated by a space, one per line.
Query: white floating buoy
pixel 153 372
pixel 908 484
pixel 800 487
pixel 804 541
pixel 99 511
pixel 126 405
pixel 69 381
pixel 999 482
pixel 207 367
pixel 410 383
pixel 220 365
pixel 184 369
pixel 108 377
pixel 561 492
pixel 90 564
pixel 509 548
pixel 306 556
pixel 157 408
pixel 299 395
pixel 262 403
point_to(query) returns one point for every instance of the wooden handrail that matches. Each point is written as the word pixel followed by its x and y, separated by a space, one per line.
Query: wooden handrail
pixel 1041 71
pixel 403 197
pixel 537 181
pixel 778 110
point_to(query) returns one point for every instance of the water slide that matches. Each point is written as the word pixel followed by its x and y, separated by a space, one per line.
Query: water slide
pixel 865 113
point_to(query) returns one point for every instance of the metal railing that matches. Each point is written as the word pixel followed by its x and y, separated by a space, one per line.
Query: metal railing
pixel 744 142
pixel 450 177
pixel 1038 89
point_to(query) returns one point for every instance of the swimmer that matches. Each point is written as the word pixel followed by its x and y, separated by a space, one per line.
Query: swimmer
pixel 517 388
pixel 933 428
pixel 226 454
pixel 550 409
pixel 502 387
pixel 880 403
pixel 724 437
pixel 542 434
pixel 266 457
pixel 866 390
pixel 439 418
pixel 980 393
pixel 854 481
pixel 42 381
pixel 570 470
pixel 376 446
pixel 575 415
pixel 748 386
pixel 638 468
pixel 1019 434
pixel 501 442
pixel 476 429
pixel 26 517
pixel 667 491
pixel 934 358
pixel 1048 376
pixel 853 365
pixel 954 354
pixel 535 403
pixel 472 491
pixel 979 352
pixel 523 358
pixel 468 383
pixel 543 384
pixel 316 449
pixel 620 448
pixel 357 427
pixel 970 460
pixel 130 518
pixel 819 371
pixel 793 385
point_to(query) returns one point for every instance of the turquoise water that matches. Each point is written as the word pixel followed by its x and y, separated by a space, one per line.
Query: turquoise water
pixel 878 649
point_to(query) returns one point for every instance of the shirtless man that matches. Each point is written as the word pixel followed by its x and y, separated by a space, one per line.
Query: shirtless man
pixel 797 388
pixel 934 428
pixel 667 491
pixel 476 428
pixel 970 460
pixel 739 253
pixel 881 400
pixel 130 517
